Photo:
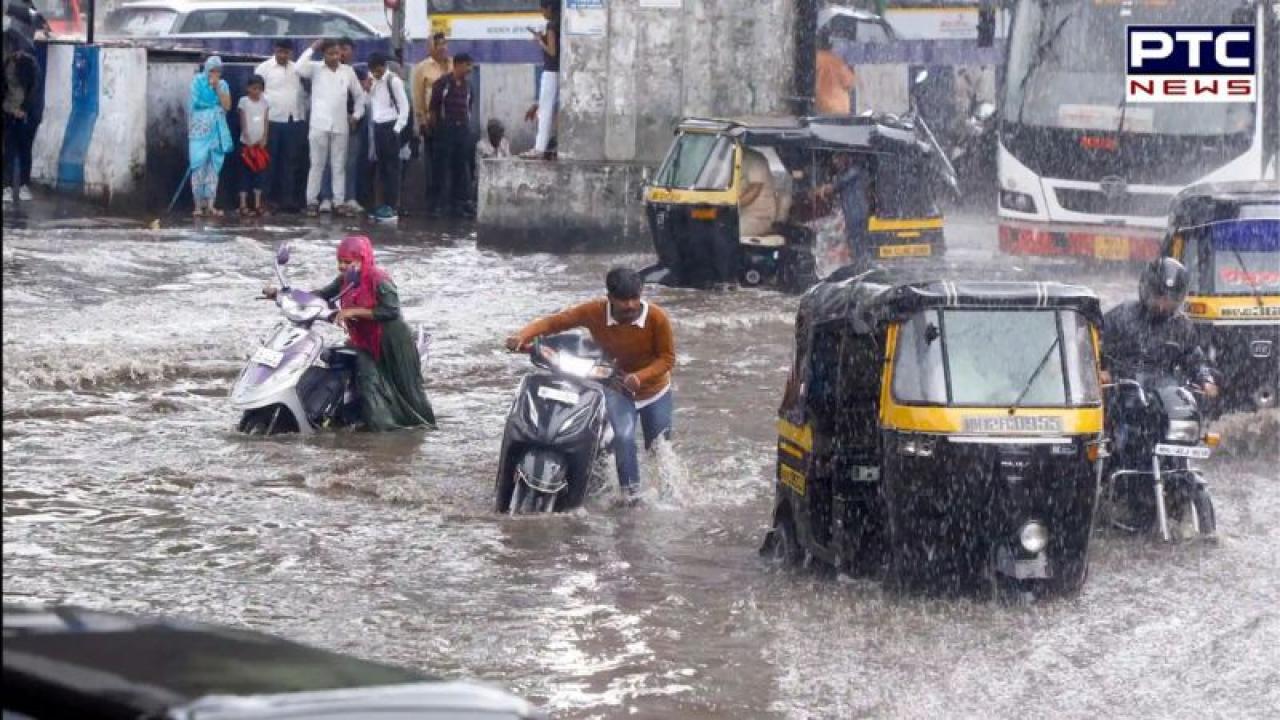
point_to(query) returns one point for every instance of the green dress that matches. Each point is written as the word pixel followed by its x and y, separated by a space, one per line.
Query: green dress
pixel 391 392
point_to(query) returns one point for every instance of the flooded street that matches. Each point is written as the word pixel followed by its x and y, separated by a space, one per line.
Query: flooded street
pixel 126 488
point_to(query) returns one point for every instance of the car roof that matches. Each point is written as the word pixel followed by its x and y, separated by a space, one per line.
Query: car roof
pixel 190 6
pixel 72 657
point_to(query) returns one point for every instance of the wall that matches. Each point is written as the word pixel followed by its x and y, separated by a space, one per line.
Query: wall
pixel 561 206
pixel 168 91
pixel 93 139
pixel 623 92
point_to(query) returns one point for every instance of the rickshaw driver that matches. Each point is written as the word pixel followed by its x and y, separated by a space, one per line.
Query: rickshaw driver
pixel 1134 334
pixel 849 186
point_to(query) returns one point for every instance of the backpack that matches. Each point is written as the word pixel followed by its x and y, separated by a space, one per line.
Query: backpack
pixel 407 136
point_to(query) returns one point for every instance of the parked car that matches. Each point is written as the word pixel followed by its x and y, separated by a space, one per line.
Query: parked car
pixel 67 662
pixel 233 18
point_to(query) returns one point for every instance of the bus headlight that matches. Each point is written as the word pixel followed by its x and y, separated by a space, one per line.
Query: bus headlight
pixel 1033 537
pixel 1183 431
pixel 1017 201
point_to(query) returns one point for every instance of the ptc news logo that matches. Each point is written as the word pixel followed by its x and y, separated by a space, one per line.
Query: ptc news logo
pixel 1191 63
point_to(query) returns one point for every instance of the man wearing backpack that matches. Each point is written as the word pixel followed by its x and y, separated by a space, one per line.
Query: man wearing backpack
pixel 389 112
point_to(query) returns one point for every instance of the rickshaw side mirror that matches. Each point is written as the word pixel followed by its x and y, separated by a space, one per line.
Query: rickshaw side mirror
pixel 646 175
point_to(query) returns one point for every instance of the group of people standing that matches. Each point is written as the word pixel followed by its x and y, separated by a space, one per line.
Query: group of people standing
pixel 359 125
pixel 352 121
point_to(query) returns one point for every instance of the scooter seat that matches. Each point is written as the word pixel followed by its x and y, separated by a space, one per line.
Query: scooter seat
pixel 766 241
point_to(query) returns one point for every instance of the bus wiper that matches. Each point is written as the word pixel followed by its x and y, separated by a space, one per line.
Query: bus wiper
pixel 1035 374
pixel 1248 277
pixel 1042 51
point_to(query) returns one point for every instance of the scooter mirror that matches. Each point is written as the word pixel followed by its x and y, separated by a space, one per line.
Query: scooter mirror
pixel 985 111
pixel 921 77
pixel 282 254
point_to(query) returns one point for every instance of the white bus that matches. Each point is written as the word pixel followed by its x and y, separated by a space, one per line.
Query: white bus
pixel 1081 171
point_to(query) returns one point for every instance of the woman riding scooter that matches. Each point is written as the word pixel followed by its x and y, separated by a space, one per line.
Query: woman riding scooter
pixel 388 366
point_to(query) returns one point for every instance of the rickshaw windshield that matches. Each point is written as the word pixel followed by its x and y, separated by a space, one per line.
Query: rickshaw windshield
pixel 1234 257
pixel 899 190
pixel 996 358
pixel 697 161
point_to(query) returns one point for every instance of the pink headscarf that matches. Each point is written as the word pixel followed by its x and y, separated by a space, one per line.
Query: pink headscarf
pixel 364 334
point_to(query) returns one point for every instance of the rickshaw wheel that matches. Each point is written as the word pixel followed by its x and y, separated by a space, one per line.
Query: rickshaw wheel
pixel 786 549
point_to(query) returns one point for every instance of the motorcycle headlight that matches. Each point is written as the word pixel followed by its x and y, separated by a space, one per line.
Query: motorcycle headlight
pixel 575 366
pixel 1184 431
pixel 1033 537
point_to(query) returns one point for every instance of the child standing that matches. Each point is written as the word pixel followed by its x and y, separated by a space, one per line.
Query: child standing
pixel 253 134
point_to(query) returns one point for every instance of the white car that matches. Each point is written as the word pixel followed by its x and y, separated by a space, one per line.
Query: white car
pixel 234 18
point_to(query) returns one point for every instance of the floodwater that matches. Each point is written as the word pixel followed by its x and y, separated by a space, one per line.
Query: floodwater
pixel 126 488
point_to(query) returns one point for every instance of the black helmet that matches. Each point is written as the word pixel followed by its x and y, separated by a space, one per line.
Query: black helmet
pixel 1164 278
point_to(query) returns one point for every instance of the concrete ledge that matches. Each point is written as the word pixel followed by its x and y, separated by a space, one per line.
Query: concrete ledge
pixel 561 205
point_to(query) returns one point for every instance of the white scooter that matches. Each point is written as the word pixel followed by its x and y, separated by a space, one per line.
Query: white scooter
pixel 297 381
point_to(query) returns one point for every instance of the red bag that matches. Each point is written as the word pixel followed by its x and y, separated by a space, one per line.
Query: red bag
pixel 255 158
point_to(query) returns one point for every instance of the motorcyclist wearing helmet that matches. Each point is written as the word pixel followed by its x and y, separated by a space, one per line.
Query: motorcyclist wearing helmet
pixel 1153 334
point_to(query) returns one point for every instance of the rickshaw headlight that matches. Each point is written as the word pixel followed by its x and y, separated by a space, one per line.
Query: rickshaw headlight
pixel 1033 537
pixel 1185 431
pixel 919 446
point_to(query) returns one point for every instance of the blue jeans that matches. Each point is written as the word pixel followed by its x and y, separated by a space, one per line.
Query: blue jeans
pixel 654 418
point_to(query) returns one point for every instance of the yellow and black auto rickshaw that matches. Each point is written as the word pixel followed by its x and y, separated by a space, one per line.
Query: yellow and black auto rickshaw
pixel 948 433
pixel 697 202
pixel 1228 236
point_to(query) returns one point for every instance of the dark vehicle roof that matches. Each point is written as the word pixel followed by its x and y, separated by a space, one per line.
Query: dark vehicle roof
pixel 881 132
pixel 1210 202
pixel 72 662
pixel 867 302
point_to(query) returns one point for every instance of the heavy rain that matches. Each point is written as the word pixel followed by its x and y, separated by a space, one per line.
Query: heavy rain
pixel 133 485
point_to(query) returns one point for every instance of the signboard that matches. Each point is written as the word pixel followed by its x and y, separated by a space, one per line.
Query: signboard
pixel 661 3
pixel 585 17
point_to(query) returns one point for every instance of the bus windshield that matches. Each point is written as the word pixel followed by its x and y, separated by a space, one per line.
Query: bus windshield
pixel 1067 65
pixel 996 358
pixel 1235 257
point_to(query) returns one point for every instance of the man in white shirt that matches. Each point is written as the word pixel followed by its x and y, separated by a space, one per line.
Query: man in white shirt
pixel 288 120
pixel 331 84
pixel 389 113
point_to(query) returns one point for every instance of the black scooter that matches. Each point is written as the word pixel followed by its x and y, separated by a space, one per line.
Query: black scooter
pixel 557 429
pixel 1160 427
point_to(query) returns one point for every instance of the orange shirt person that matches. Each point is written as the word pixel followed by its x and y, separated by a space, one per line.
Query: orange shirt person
pixel 637 335
pixel 833 84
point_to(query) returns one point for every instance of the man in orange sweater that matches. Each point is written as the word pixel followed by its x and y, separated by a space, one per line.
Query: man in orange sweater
pixel 636 335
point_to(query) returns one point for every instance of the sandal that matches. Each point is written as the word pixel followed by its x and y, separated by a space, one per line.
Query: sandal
pixel 262 211
pixel 313 211
pixel 197 213
pixel 215 212
pixel 245 212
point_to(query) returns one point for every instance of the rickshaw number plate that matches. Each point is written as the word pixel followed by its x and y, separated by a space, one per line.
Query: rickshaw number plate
pixel 1036 567
pixel 267 356
pixel 1196 453
pixel 560 396
pixel 918 250
pixel 1110 247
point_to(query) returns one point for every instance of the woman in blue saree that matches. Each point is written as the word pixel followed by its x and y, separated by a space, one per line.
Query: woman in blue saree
pixel 208 137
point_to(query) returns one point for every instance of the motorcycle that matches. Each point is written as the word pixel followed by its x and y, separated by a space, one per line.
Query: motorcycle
pixel 557 430
pixel 974 153
pixel 1161 428
pixel 297 381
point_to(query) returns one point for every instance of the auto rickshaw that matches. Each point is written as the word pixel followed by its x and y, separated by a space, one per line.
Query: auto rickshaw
pixel 951 431
pixel 694 199
pixel 1228 236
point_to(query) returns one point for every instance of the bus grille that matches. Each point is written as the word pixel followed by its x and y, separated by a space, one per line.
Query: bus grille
pixel 1095 202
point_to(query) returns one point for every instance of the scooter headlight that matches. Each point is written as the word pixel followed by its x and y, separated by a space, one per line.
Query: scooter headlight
pixel 1034 537
pixel 1183 431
